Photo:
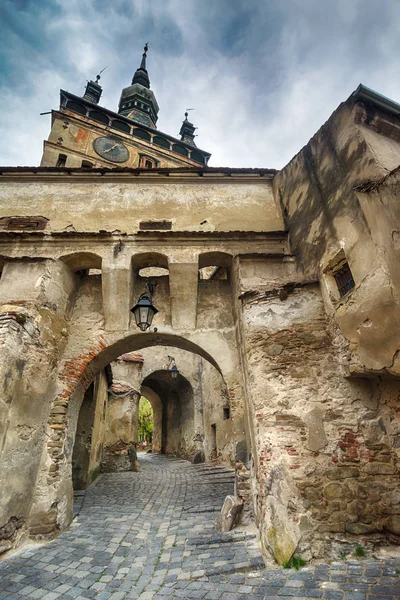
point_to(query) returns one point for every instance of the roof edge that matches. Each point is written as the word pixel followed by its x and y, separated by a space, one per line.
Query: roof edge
pixel 138 171
pixel 368 95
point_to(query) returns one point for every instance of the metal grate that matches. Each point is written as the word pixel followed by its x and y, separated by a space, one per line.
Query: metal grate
pixel 344 279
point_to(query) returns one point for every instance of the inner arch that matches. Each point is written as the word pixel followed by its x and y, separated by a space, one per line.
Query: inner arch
pixel 138 341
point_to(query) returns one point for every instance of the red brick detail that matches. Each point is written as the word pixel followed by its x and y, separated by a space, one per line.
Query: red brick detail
pixel 73 373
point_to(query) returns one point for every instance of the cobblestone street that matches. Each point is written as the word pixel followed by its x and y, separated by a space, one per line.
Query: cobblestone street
pixel 151 535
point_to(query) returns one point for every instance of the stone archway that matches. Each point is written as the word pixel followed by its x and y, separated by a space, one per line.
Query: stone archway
pixel 54 484
pixel 177 412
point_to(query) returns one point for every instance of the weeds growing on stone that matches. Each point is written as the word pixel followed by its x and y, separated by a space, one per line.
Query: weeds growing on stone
pixel 360 550
pixel 295 562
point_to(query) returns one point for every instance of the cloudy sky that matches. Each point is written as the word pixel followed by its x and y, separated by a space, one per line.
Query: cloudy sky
pixel 262 75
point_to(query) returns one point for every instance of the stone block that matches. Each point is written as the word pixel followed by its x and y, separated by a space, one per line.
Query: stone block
pixel 316 433
pixel 198 457
pixel 230 513
pixel 379 468
pixel 361 528
pixel 393 524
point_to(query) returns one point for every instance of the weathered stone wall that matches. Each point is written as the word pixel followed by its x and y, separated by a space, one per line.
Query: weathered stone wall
pixel 99 425
pixel 34 305
pixel 325 448
pixel 90 433
pixel 325 460
pixel 328 218
pixel 122 413
pixel 216 399
pixel 121 430
pixel 83 440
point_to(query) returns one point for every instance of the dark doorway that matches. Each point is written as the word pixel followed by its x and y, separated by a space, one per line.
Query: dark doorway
pixel 83 441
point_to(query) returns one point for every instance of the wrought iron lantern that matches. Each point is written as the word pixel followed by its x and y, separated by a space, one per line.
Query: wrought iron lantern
pixel 144 310
pixel 172 368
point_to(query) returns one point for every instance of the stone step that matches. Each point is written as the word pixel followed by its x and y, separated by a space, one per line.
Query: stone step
pixel 204 509
pixel 254 564
pixel 213 469
pixel 221 538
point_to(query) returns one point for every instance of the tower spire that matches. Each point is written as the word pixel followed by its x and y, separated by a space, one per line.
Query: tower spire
pixel 138 101
pixel 141 76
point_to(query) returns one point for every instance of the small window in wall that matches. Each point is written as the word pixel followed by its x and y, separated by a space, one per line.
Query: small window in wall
pixel 61 160
pixel 227 413
pixel 344 279
pixel 87 164
pixel 147 162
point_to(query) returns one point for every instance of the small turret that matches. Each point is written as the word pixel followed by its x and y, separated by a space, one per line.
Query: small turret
pixel 187 130
pixel 93 90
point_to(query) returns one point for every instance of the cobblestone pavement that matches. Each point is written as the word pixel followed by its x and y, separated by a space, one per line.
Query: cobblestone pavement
pixel 151 535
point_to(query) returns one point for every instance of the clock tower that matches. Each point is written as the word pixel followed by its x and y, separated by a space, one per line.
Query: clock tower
pixel 84 134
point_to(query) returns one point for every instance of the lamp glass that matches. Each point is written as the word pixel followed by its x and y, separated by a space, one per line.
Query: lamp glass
pixel 144 312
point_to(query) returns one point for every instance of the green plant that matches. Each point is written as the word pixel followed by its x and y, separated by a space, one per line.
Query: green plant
pixel 342 556
pixel 145 421
pixel 360 550
pixel 295 562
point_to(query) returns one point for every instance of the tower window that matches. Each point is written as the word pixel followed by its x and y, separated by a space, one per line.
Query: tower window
pixel 147 162
pixel 344 279
pixel 87 164
pixel 227 413
pixel 62 160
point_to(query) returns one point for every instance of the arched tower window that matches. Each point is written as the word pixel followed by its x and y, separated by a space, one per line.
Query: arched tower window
pixel 147 162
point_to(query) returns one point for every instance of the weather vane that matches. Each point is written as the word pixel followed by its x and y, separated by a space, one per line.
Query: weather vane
pixel 98 76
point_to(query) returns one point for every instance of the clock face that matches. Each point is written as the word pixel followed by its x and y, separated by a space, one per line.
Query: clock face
pixel 111 149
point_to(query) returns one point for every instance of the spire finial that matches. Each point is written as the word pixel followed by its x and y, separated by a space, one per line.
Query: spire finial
pixel 144 56
pixel 98 75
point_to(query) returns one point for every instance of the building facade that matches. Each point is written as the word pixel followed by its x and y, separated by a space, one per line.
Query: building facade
pixel 293 329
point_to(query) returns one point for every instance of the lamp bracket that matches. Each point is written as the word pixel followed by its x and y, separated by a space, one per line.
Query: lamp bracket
pixel 151 285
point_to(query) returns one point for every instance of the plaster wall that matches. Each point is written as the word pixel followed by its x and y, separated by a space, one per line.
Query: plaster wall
pixel 93 206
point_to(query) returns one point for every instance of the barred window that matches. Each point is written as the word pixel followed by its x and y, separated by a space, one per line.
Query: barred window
pixel 344 279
